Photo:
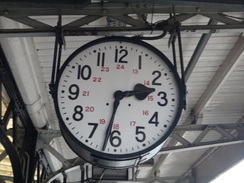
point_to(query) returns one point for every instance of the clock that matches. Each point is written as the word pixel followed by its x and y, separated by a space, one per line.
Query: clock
pixel 117 100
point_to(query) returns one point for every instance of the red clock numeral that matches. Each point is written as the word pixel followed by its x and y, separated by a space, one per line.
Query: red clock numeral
pixel 150 98
pixel 135 71
pixel 145 112
pixel 132 123
pixel 104 69
pixel 89 109
pixel 119 66
pixel 147 83
pixel 97 79
pixel 86 93
pixel 102 121
pixel 116 126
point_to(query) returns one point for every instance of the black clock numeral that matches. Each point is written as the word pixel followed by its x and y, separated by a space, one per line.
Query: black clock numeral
pixel 115 141
pixel 123 53
pixel 154 119
pixel 84 72
pixel 158 75
pixel 100 59
pixel 141 136
pixel 93 129
pixel 74 91
pixel 78 115
pixel 164 100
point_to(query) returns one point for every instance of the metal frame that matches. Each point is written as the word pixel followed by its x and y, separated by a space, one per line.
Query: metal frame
pixel 228 134
pixel 22 154
pixel 123 12
pixel 24 12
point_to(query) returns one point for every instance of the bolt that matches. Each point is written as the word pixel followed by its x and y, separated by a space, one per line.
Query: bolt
pixel 6 12
pixel 198 9
pixel 104 11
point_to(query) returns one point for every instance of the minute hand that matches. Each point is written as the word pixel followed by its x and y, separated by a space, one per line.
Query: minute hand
pixel 118 95
pixel 140 92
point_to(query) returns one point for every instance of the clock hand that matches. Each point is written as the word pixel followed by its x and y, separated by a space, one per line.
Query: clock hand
pixel 140 91
pixel 118 95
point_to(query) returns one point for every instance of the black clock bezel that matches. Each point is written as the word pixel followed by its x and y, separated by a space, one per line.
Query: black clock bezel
pixel 85 151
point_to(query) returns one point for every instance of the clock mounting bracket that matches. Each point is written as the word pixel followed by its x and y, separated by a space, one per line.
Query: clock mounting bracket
pixel 58 45
pixel 174 34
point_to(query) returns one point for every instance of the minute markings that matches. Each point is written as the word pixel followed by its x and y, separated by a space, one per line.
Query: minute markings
pixel 140 132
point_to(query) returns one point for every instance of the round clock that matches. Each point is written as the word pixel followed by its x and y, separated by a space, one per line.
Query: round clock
pixel 117 100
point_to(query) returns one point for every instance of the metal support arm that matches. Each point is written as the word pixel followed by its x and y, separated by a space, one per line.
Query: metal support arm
pixel 228 134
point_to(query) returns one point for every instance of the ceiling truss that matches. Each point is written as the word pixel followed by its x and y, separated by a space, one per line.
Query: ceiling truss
pixel 131 14
pixel 228 134
pixel 135 25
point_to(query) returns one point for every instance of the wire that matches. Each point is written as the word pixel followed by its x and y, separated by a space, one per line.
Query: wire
pixel 157 25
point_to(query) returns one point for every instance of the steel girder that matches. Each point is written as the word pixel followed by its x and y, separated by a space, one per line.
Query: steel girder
pixel 228 134
pixel 26 13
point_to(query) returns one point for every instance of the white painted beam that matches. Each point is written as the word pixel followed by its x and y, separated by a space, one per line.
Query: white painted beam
pixel 229 64
pixel 220 161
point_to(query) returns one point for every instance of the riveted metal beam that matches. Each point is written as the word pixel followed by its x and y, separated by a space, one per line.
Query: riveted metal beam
pixel 198 51
pixel 106 31
pixel 225 131
pixel 28 147
pixel 13 155
pixel 121 7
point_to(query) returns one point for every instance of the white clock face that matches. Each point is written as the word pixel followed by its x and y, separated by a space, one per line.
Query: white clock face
pixel 118 97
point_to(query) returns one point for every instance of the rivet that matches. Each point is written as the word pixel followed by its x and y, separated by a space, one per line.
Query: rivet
pixel 6 12
pixel 198 9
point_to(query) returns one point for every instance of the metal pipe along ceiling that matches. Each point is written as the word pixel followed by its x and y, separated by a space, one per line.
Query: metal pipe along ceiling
pixel 22 58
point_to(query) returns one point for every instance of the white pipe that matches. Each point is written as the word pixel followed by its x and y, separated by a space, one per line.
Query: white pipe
pixel 22 58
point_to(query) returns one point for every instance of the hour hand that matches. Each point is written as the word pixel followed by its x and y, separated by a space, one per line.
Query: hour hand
pixel 140 91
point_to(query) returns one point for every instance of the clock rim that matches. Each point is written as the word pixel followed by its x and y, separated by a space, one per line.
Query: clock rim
pixel 101 154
